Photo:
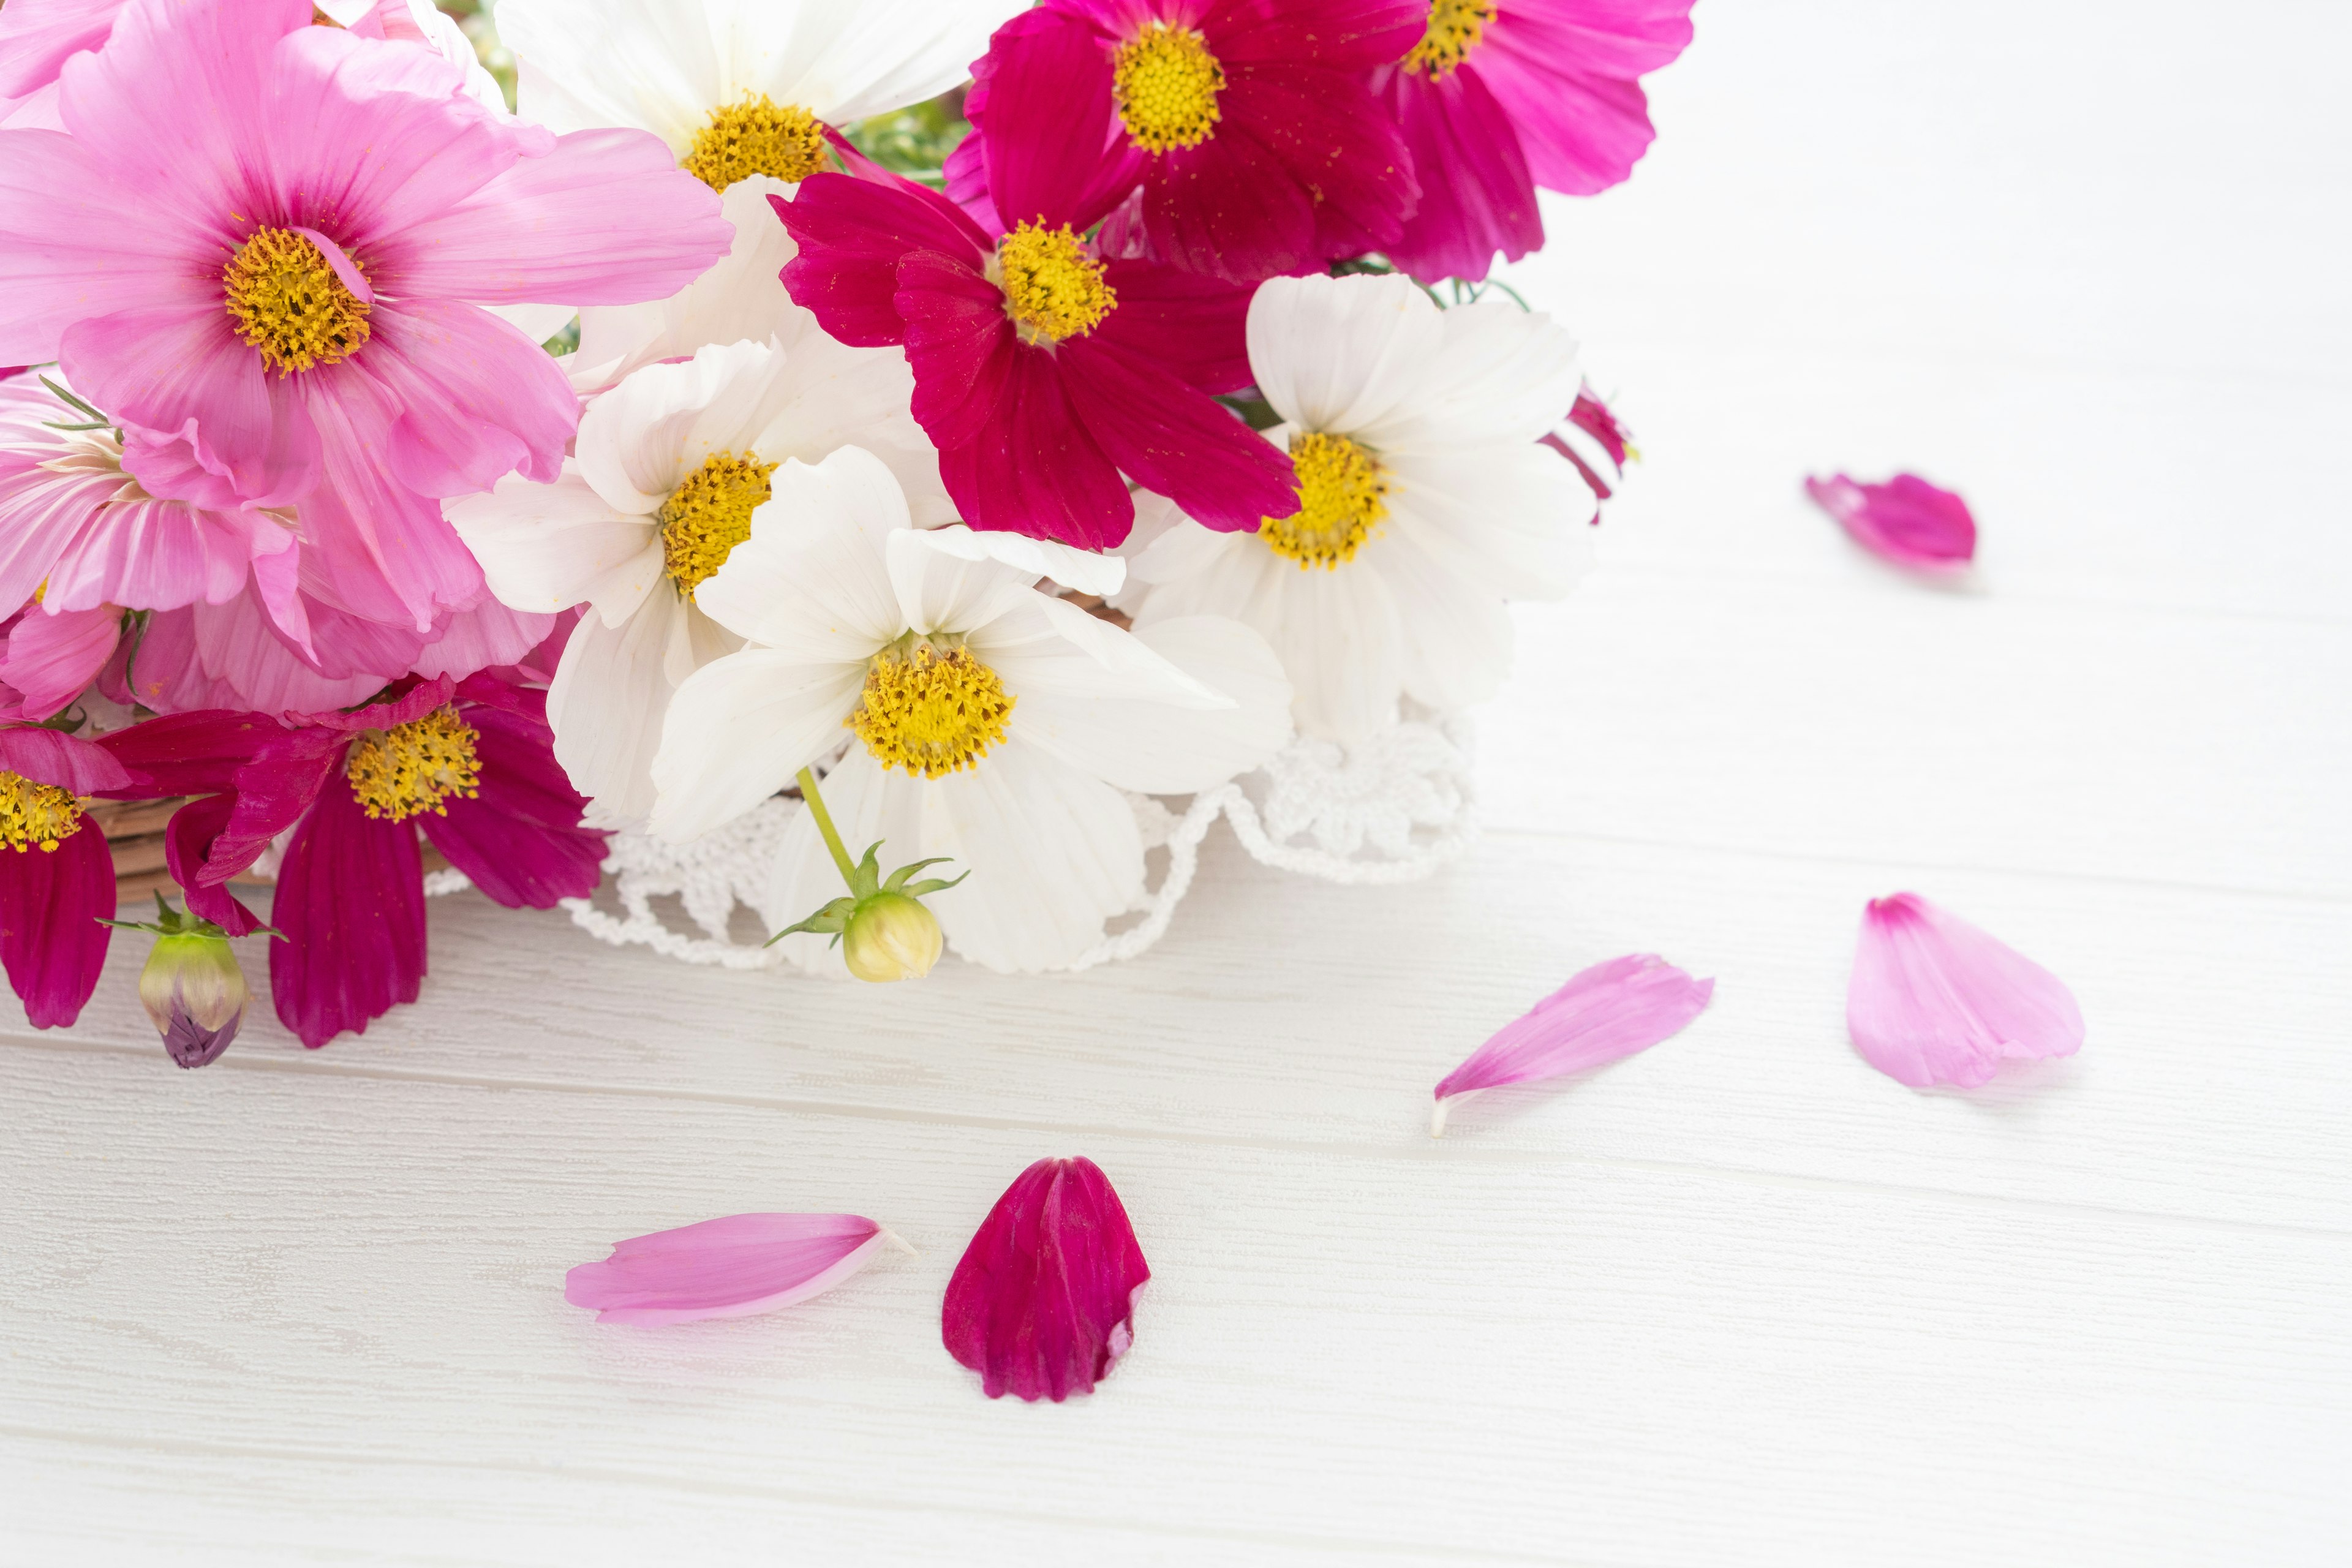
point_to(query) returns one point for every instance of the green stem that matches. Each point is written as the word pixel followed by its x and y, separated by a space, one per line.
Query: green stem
pixel 825 826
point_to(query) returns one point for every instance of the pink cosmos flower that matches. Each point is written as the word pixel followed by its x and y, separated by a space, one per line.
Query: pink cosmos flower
pixel 1042 1302
pixel 1906 521
pixel 728 1268
pixel 57 877
pixel 1502 96
pixel 1602 1015
pixel 271 240
pixel 1043 370
pixel 1249 125
pixel 471 765
pixel 1934 1000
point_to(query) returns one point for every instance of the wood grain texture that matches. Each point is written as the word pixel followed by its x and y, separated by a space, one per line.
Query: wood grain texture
pixel 1739 1299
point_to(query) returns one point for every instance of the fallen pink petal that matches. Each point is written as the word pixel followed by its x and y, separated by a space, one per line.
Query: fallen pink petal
pixel 1934 1000
pixel 728 1268
pixel 1906 521
pixel 1602 1015
pixel 1043 1302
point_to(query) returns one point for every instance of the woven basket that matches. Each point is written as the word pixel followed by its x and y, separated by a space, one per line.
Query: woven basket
pixel 134 832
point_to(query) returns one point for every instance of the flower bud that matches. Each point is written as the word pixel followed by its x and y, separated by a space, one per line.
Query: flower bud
pixel 195 993
pixel 890 936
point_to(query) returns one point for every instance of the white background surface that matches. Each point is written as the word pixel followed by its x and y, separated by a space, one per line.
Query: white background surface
pixel 1740 1300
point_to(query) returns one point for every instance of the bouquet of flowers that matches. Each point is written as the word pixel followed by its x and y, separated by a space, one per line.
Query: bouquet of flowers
pixel 858 458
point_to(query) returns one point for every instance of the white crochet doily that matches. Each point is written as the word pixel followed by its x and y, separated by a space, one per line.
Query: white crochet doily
pixel 1390 810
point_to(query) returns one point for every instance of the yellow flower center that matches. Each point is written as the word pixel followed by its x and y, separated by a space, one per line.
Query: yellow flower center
pixel 1455 28
pixel 1053 288
pixel 756 137
pixel 412 768
pixel 1166 84
pixel 1341 504
pixel 35 815
pixel 289 305
pixel 709 515
pixel 930 712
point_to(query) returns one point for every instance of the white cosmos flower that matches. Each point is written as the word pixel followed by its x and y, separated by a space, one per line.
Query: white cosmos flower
pixel 1425 502
pixel 739 87
pixel 987 721
pixel 668 469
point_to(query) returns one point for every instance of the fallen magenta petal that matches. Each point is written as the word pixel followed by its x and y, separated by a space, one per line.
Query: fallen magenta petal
pixel 1605 1014
pixel 1934 1000
pixel 1043 1299
pixel 728 1268
pixel 1906 521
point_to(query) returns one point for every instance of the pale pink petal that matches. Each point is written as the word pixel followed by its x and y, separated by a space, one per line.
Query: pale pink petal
pixel 1906 520
pixel 727 1267
pixel 1935 1000
pixel 1043 1302
pixel 51 660
pixel 1604 1013
pixel 483 636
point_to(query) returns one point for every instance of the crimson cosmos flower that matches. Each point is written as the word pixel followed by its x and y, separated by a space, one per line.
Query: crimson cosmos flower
pixel 1042 370
pixel 473 765
pixel 57 878
pixel 1502 96
pixel 1249 124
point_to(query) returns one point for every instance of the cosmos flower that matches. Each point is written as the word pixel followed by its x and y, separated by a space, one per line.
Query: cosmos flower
pixel 1424 502
pixel 1500 97
pixel 738 87
pixel 470 766
pixel 273 239
pixel 1249 125
pixel 988 723
pixel 671 466
pixel 57 877
pixel 1043 370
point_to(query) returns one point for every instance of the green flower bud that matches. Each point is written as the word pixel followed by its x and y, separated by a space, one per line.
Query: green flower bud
pixel 890 936
pixel 194 992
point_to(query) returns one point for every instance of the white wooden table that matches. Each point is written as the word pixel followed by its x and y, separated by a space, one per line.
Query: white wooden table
pixel 1737 1301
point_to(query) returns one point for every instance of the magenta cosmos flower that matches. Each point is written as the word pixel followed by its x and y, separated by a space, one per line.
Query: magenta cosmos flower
pixel 57 877
pixel 1249 125
pixel 1502 96
pixel 273 239
pixel 473 765
pixel 1042 370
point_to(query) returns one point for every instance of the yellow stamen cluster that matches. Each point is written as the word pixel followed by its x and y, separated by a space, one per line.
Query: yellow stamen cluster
pixel 1341 504
pixel 1053 288
pixel 756 137
pixel 289 305
pixel 35 815
pixel 1455 29
pixel 930 712
pixel 412 768
pixel 709 515
pixel 1165 82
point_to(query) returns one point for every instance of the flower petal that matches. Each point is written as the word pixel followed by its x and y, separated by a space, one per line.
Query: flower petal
pixel 519 839
pixel 52 658
pixel 728 1268
pixel 50 941
pixel 1935 1000
pixel 1603 1014
pixel 350 903
pixel 1043 1302
pixel 737 732
pixel 1338 353
pixel 1906 521
pixel 68 761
